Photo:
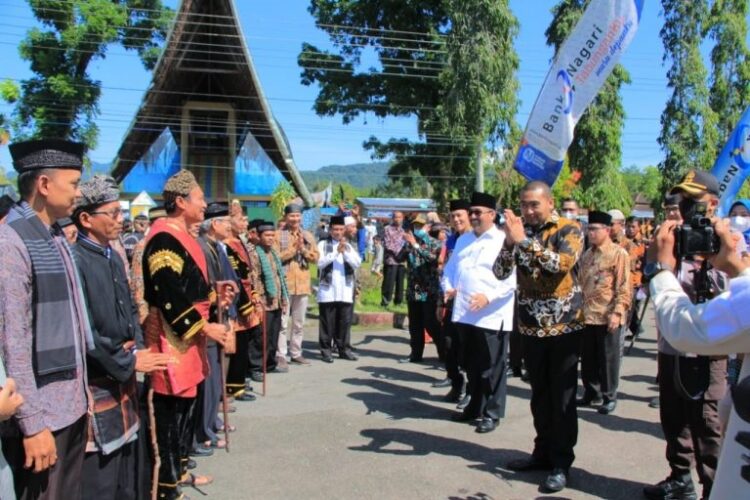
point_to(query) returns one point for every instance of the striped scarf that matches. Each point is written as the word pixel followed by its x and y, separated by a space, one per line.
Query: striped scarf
pixel 265 267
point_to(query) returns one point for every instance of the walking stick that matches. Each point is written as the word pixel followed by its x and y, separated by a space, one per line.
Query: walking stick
pixel 220 316
pixel 265 357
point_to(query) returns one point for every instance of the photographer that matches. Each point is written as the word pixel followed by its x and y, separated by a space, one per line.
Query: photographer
pixel 690 386
pixel 718 327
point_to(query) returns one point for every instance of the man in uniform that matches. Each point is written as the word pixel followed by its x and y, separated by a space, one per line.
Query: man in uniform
pixel 550 302
pixel 45 330
pixel 178 290
pixel 482 312
pixel 297 250
pixel 337 269
pixel 110 467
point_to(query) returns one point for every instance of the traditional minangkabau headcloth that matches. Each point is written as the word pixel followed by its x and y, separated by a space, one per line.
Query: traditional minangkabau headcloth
pixel 293 208
pixel 98 190
pixel 266 226
pixel 47 153
pixel 181 183
pixel 156 213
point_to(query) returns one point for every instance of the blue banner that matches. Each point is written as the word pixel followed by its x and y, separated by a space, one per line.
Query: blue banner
pixel 583 63
pixel 733 164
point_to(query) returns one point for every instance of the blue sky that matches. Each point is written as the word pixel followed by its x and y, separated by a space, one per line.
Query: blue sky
pixel 275 31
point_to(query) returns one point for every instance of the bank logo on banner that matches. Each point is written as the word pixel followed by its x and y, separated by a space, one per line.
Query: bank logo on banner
pixel 733 164
pixel 583 63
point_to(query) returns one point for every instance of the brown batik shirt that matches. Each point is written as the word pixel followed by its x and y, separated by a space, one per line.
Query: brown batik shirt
pixel 605 281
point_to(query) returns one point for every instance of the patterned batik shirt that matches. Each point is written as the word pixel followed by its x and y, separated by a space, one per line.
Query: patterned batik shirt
pixel 393 241
pixel 605 281
pixel 550 302
pixel 423 278
pixel 637 252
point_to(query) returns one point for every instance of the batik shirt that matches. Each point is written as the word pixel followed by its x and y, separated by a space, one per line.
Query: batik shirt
pixel 423 279
pixel 550 301
pixel 605 281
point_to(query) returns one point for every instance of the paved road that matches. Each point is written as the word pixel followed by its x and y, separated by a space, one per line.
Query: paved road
pixel 375 429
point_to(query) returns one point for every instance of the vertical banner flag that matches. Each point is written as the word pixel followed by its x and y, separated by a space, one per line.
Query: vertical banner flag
pixel 733 164
pixel 581 66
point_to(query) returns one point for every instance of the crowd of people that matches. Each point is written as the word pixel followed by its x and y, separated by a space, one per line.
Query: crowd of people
pixel 115 341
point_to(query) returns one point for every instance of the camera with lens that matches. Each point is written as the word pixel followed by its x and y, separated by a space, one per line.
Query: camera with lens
pixel 499 218
pixel 697 235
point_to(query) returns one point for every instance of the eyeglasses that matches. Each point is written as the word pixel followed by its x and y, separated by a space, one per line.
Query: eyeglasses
pixel 476 212
pixel 112 214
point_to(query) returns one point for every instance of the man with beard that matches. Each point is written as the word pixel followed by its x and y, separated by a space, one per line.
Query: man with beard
pixel 178 290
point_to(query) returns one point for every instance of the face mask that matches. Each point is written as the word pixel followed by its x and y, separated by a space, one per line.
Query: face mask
pixel 569 215
pixel 739 223
pixel 420 232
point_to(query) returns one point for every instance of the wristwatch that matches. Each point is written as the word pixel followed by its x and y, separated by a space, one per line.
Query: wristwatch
pixel 654 268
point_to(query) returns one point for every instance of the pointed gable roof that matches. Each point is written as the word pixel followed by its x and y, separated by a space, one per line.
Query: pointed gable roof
pixel 206 59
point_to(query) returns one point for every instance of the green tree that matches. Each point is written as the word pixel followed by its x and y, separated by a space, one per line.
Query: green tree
pixel 689 134
pixel 9 92
pixel 645 181
pixel 280 198
pixel 729 93
pixel 596 151
pixel 450 64
pixel 60 100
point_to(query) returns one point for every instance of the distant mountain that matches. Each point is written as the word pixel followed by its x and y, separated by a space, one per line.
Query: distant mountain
pixel 359 175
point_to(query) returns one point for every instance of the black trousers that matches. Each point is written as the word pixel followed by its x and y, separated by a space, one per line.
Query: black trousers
pixel 691 428
pixel 485 360
pixel 423 316
pixel 61 481
pixel 175 430
pixel 335 327
pixel 453 351
pixel 111 476
pixel 552 364
pixel 600 362
pixel 239 363
pixel 393 276
pixel 273 327
pixel 209 397
pixel 515 345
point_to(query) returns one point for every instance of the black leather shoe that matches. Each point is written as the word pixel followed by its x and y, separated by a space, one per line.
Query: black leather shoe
pixel 589 401
pixel 463 417
pixel 529 464
pixel 409 360
pixel 556 481
pixel 607 407
pixel 245 396
pixel 201 451
pixel 256 377
pixel 514 372
pixel 454 395
pixel 349 356
pixel 191 464
pixel 673 487
pixel 486 425
pixel 327 359
pixel 446 382
pixel 464 402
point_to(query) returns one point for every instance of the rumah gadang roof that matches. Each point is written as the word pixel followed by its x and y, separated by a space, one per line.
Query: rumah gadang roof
pixel 206 59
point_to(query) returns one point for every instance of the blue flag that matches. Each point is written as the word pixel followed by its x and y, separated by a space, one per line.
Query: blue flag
pixel 733 164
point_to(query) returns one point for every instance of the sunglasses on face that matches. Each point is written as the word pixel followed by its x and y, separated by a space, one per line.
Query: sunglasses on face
pixel 477 212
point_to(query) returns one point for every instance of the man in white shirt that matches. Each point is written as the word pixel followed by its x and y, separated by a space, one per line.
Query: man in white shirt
pixel 718 327
pixel 337 268
pixel 482 311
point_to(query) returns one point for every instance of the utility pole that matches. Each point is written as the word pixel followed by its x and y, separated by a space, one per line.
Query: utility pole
pixel 479 184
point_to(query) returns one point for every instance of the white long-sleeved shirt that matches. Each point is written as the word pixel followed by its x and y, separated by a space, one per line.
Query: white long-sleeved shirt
pixel 720 326
pixel 338 290
pixel 469 271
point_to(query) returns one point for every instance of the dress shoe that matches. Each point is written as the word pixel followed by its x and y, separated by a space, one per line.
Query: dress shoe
pixel 673 488
pixel 454 395
pixel 349 356
pixel 529 464
pixel 513 372
pixel 245 396
pixel 409 360
pixel 256 376
pixel 608 407
pixel 464 402
pixel 327 358
pixel 300 360
pixel 281 365
pixel 654 403
pixel 589 401
pixel 486 425
pixel 446 382
pixel 201 451
pixel 525 376
pixel 556 481
pixel 191 464
pixel 463 417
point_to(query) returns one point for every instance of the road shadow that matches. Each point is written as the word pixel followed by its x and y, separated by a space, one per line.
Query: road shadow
pixel 397 374
pixel 490 460
pixel 397 401
pixel 617 423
